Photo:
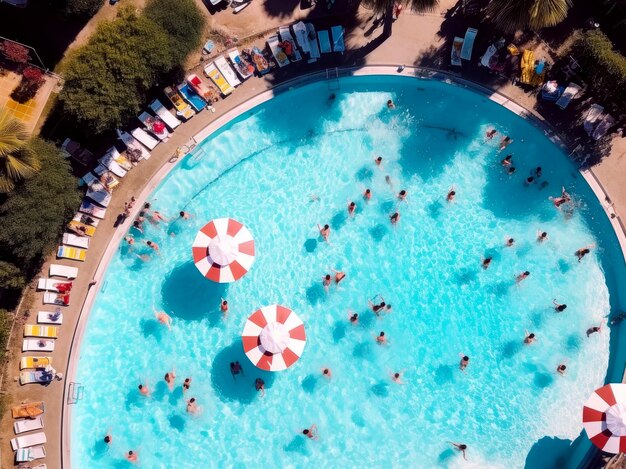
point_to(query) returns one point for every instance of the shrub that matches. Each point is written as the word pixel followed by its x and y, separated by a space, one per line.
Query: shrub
pixel 11 276
pixel 32 79
pixel 82 8
pixel 32 74
pixel 182 21
pixel 605 67
pixel 15 52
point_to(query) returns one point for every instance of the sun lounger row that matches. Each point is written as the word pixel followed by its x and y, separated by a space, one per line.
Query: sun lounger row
pixel 285 50
pixel 29 447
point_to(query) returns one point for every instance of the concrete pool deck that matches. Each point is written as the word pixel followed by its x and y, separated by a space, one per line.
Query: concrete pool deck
pixel 148 174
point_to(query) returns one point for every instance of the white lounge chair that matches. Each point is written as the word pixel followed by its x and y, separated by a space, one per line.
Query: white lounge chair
pixel 324 40
pixel 153 124
pixel 110 180
pixel 30 454
pixel 109 162
pixel 302 36
pixel 162 113
pixel 455 54
pixel 468 43
pixel 27 425
pixel 77 241
pixel 146 140
pixel 99 196
pixel 594 113
pixel 489 53
pixel 313 45
pixel 90 209
pixel 58 270
pixel 50 284
pixel 338 42
pixel 25 441
pixel 280 57
pixel 49 317
pixel 570 92
pixel 603 127
pixel 243 69
pixel 285 35
pixel 227 71
pixel 51 298
pixel 38 345
pixel 132 144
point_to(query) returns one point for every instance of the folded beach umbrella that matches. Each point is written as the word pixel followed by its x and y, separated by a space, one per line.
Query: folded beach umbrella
pixel 223 250
pixel 273 338
pixel 604 418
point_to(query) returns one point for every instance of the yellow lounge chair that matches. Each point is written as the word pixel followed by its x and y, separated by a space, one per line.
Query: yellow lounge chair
pixel 219 80
pixel 35 330
pixel 30 410
pixel 68 252
pixel 528 76
pixel 77 227
pixel 35 362
pixel 182 108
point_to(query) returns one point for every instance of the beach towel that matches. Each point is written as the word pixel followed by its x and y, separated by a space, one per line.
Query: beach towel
pixel 183 109
pixel 338 42
pixel 244 69
pixel 80 228
pixel 74 254
pixel 58 270
pixel 528 75
pixel 302 36
pixel 570 92
pixel 288 44
pixel 76 241
pixel 53 284
pixel 144 138
pixel 468 43
pixel 279 55
pixel 551 91
pixel 227 71
pixel 594 113
pixel 455 54
pixel 218 79
pixel 201 88
pixel 154 126
pixel 193 98
pixel 35 330
pixel 35 362
pixel 48 317
pixel 92 210
pixel 259 60
pixel 133 146
pixel 38 345
pixel 324 41
pixel 99 195
pixel 28 440
pixel 28 410
pixel 39 377
pixel 162 113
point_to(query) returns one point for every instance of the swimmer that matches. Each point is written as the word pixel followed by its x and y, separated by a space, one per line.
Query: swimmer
pixel 451 195
pixel 144 390
pixel 542 236
pixel 582 252
pixel 490 133
pixel 156 217
pixel 326 282
pixel 137 226
pixel 224 306
pixel 339 276
pixel 397 377
pixel 487 262
pixel 521 277
pixel 593 330
pixel 381 339
pixel 154 246
pixel 464 362
pixel 378 307
pixel 395 218
pixel 311 432
pixel 367 195
pixel 108 439
pixel 558 307
pixel 332 97
pixel 192 406
pixel 558 201
pixel 530 338
pixel 402 195
pixel 131 456
pixel 141 218
pixel 235 369
pixel 537 172
pixel 186 384
pixel 351 208
pixel 354 317
pixel 184 215
pixel 389 181
pixel 163 318
pixel 510 171
pixel 460 447
pixel 378 160
pixel 505 142
pixel 326 373
pixel 509 242
pixel 390 104
pixel 259 385
pixel 324 232
pixel 529 180
pixel 618 318
pixel 170 379
pixel 507 160
pixel 130 240
pixel 561 369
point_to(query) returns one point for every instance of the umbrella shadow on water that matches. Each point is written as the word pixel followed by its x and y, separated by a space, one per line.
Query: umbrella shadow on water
pixel 310 383
pixel 378 232
pixel 364 174
pixel 316 293
pixel 511 348
pixel 151 327
pixel 187 295
pixel 380 389
pixel 310 245
pixel 297 445
pixel 239 387
pixel 99 449
pixel 339 331
pixel 445 455
pixel 444 374
pixel 178 422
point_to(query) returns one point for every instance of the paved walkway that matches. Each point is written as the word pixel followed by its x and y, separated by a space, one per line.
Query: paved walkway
pixel 412 37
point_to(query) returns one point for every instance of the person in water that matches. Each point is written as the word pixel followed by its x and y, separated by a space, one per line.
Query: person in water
pixel 367 195
pixel 464 362
pixel 324 232
pixel 451 195
pixel 108 439
pixel 131 456
pixel 192 406
pixel 326 373
pixel 505 142
pixel 490 134
pixel 395 218
pixel 487 262
pixel 144 390
pixel 185 215
pixel 530 338
pixel 235 368
pixel 593 330
pixel 510 171
pixel 326 282
pixel 259 385
pixel 351 208
pixel 507 161
pixel 509 242
pixel 564 198
pixel 582 252
pixel 559 308
pixel 397 377
pixel 170 379
pixel 460 447
pixel 402 195
pixel 521 277
pixel 561 369
pixel 311 432
pixel 354 317
pixel 378 160
pixel 339 276
pixel 390 104
pixel 542 236
pixel 163 318
pixel 186 384
pixel 529 180
pixel 381 339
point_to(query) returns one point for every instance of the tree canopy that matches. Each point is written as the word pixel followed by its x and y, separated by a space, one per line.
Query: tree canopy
pixel 11 277
pixel 82 8
pixel 511 15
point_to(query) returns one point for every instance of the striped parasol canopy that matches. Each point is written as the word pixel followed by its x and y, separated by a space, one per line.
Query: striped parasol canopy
pixel 604 418
pixel 223 250
pixel 273 338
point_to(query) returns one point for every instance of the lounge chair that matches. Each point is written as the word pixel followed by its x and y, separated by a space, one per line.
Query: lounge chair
pixel 90 209
pixel 99 195
pixel 81 228
pixel 570 92
pixel 86 219
pixel 279 55
pixel 48 317
pixel 27 425
pixel 287 43
pixel 29 410
pixel 468 43
pixel 35 362
pixel 105 177
pixel 192 97
pixel 206 93
pixel 30 454
pixel 313 45
pixel 244 69
pixel 116 163
pixel 227 71
pixel 76 241
pixel 38 345
pixel 183 109
pixel 28 440
pixel 36 377
pixel 132 145
pixel 528 73
pixel 73 150
pixel 338 42
pixel 58 270
pixel 487 56
pixel 302 36
pixel 592 117
pixel 144 138
pixel 259 60
pixel 455 54
pixel 551 91
pixel 35 330
pixel 218 79
pixel 603 127
pixel 155 126
pixel 324 40
pixel 208 46
pixel 162 113
pixel 59 299
pixel 74 254
pixel 53 284
pixel 89 179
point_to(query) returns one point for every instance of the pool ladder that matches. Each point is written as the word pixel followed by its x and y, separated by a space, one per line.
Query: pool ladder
pixel 332 78
pixel 76 393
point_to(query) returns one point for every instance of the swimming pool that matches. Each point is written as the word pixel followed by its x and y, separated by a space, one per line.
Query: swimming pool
pixel 296 161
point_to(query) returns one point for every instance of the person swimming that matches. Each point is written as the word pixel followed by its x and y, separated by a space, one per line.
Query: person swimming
pixel 185 215
pixel 490 133
pixel 529 339
pixel 324 232
pixel 559 308
pixel 131 456
pixel 390 104
pixel 464 362
pixel 460 447
pixel 529 180
pixel 451 195
pixel 397 378
pixel 381 339
pixel 582 252
pixel 509 242
pixel 235 368
pixel 377 308
pixel 259 385
pixel 163 318
pixel 521 277
pixel 224 306
pixel 558 201
pixel 507 160
pixel 311 432
pixel 144 390
pixel 192 406
pixel 170 379
pixel 108 439
pixel 593 330
pixel 402 195
pixel 505 142
pixel 326 373
pixel 339 276
pixel 186 384
pixel 326 281
pixel 395 218
pixel 351 208
pixel 367 195
pixel 354 318
pixel 510 171
pixel 487 262
pixel 538 172
pixel 378 160
pixel 542 236
pixel 561 369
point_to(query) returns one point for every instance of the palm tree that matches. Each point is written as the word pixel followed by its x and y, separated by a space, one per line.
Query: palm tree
pixel 511 15
pixel 17 161
pixel 386 7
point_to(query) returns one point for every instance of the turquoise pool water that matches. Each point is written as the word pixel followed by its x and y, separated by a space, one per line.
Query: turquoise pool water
pixel 296 161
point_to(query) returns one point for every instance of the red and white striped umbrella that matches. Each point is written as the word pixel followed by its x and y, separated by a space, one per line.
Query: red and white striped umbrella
pixel 604 418
pixel 223 250
pixel 273 338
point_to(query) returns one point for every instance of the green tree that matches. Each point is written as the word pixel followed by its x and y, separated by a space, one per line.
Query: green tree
pixel 17 161
pixel 82 8
pixel 34 213
pixel 511 15
pixel 11 276
pixel 182 21
pixel 386 7
pixel 107 79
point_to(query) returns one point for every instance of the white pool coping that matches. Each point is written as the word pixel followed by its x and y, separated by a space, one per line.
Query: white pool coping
pixel 237 111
